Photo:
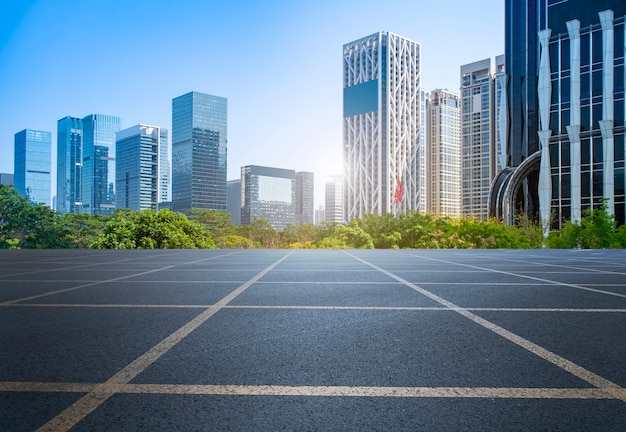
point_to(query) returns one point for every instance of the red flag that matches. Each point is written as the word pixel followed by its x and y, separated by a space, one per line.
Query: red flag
pixel 397 196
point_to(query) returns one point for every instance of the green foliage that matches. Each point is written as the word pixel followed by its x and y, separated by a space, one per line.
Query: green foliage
pixel 148 229
pixel 596 230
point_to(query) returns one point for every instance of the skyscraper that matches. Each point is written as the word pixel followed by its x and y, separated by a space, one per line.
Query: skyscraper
pixel 139 172
pixel 443 154
pixel 383 146
pixel 305 197
pixel 69 165
pixel 566 137
pixel 268 193
pixel 32 165
pixel 333 200
pixel 484 127
pixel 199 150
pixel 234 200
pixel 98 170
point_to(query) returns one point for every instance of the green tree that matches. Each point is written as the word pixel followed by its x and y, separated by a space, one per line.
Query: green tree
pixel 147 229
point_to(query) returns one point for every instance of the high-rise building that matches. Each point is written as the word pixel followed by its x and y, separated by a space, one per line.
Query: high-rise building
pixel 32 165
pixel 233 201
pixel 305 197
pixel 484 127
pixel 333 200
pixel 565 61
pixel 383 145
pixel 443 154
pixel 98 170
pixel 69 165
pixel 199 150
pixel 319 215
pixel 268 193
pixel 6 178
pixel 139 181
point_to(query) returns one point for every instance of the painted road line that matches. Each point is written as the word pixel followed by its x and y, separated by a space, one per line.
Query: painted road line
pixel 88 403
pixel 561 362
pixel 316 391
pixel 569 285
pixel 117 279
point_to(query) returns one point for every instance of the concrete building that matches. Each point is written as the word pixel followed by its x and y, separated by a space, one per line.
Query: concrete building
pixel 333 204
pixel 383 107
pixel 443 154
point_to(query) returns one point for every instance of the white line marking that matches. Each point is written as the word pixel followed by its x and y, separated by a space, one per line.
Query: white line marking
pixel 326 391
pixel 88 403
pixel 561 362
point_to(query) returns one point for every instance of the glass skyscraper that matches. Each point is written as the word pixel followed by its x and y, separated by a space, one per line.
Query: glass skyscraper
pixel 69 165
pixel 268 193
pixel 32 165
pixel 565 61
pixel 305 197
pixel 383 113
pixel 199 151
pixel 139 167
pixel 98 171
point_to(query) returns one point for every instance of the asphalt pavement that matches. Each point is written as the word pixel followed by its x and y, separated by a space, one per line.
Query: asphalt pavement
pixel 313 340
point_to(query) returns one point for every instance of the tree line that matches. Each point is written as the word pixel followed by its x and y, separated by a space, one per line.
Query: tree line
pixel 24 225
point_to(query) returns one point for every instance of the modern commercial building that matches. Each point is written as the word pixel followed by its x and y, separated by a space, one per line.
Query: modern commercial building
pixel 305 197
pixel 141 181
pixel 69 165
pixel 98 170
pixel 320 215
pixel 566 138
pixel 6 178
pixel 333 204
pixel 383 113
pixel 268 193
pixel 32 164
pixel 199 151
pixel 443 154
pixel 233 200
pixel 484 125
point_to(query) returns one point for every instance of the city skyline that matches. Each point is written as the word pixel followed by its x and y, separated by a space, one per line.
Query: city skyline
pixel 278 64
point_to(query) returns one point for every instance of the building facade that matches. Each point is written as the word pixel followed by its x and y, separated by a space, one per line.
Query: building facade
pixel 69 165
pixel 6 178
pixel 139 157
pixel 199 151
pixel 32 164
pixel 98 170
pixel 333 200
pixel 383 146
pixel 233 201
pixel 484 126
pixel 305 197
pixel 566 139
pixel 268 193
pixel 443 154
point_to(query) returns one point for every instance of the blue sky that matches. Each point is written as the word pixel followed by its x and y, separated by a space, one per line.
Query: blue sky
pixel 277 62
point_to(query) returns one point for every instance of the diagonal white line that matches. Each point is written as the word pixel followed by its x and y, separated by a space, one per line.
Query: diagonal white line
pixel 569 366
pixel 88 403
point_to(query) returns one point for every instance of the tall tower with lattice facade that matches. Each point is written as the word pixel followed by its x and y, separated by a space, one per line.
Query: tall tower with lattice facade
pixel 383 126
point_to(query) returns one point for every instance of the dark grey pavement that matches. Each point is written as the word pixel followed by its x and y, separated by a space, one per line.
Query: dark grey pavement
pixel 308 340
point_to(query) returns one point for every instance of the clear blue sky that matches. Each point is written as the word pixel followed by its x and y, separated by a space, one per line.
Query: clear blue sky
pixel 277 62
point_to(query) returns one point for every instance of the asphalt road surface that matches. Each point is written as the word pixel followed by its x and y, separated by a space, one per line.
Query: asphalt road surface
pixel 307 340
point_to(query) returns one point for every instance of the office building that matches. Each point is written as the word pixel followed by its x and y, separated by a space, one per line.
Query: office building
pixel 270 194
pixel 141 181
pixel 32 164
pixel 443 154
pixel 233 200
pixel 319 215
pixel 69 165
pixel 333 200
pixel 6 178
pixel 484 125
pixel 199 150
pixel 566 138
pixel 383 107
pixel 305 197
pixel 98 170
